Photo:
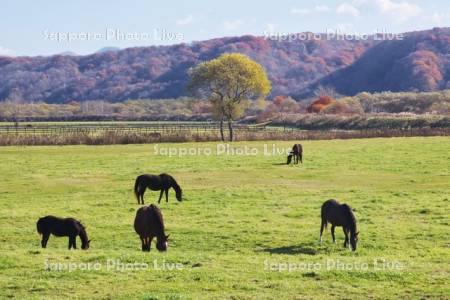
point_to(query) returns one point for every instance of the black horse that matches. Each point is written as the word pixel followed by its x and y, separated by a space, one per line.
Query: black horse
pixel 62 227
pixel 149 223
pixel 162 182
pixel 339 215
pixel 296 153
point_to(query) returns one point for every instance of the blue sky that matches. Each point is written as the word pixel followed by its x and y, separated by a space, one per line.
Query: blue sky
pixel 43 27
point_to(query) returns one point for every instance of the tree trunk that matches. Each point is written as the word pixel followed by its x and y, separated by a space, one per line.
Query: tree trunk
pixel 230 128
pixel 221 130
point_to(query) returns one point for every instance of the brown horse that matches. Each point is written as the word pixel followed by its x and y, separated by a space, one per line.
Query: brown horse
pixel 62 227
pixel 339 215
pixel 149 223
pixel 162 182
pixel 296 153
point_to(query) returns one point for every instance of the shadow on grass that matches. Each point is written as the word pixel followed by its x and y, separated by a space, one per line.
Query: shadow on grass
pixel 279 164
pixel 308 249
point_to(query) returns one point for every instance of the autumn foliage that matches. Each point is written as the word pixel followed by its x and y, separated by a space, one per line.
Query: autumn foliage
pixel 320 104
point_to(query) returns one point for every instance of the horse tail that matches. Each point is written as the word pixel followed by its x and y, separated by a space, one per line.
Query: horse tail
pixel 323 216
pixel 39 226
pixel 136 188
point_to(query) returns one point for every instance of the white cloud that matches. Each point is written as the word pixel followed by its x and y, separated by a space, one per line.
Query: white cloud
pixel 439 19
pixel 436 17
pixel 321 8
pixel 401 11
pixel 359 2
pixel 301 11
pixel 6 52
pixel 270 27
pixel 347 9
pixel 186 20
pixel 345 28
pixel 307 11
pixel 233 25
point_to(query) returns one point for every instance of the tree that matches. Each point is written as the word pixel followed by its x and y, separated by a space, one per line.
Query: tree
pixel 319 104
pixel 328 91
pixel 226 81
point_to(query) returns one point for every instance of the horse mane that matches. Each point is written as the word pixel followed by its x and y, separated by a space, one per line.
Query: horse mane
pixel 175 184
pixel 351 217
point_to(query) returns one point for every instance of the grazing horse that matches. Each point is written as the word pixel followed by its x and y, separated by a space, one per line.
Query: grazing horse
pixel 62 227
pixel 149 223
pixel 296 153
pixel 339 215
pixel 162 182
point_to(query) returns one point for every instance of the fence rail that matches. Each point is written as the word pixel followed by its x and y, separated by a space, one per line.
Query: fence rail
pixel 120 127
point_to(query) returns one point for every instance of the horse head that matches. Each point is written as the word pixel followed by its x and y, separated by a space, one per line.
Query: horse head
pixel 85 245
pixel 178 194
pixel 289 158
pixel 162 243
pixel 354 240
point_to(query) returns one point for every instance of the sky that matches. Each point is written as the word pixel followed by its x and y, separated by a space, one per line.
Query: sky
pixel 50 27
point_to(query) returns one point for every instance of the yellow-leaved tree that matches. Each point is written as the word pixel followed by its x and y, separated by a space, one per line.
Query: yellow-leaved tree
pixel 227 81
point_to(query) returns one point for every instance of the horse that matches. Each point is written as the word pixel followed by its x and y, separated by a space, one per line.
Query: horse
pixel 62 227
pixel 149 223
pixel 339 215
pixel 296 153
pixel 162 182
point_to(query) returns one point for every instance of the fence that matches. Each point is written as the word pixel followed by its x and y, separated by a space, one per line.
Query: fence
pixel 132 133
pixel 96 128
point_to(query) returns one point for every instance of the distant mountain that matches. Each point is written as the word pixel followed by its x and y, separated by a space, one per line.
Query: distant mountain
pixel 106 49
pixel 419 62
pixel 69 53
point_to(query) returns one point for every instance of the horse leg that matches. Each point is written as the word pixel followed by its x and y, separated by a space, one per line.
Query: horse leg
pixel 301 158
pixel 138 194
pixel 150 242
pixel 145 246
pixel 44 241
pixel 142 243
pixel 160 196
pixel 141 194
pixel 167 195
pixel 346 242
pixel 332 233
pixel 322 226
pixel 72 242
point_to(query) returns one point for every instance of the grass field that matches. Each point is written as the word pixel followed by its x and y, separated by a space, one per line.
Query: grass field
pixel 245 219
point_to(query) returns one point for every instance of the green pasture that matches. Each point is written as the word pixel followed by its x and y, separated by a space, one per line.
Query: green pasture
pixel 247 229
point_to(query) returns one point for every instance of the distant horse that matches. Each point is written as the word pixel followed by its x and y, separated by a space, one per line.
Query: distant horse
pixel 149 223
pixel 296 153
pixel 162 182
pixel 339 215
pixel 62 227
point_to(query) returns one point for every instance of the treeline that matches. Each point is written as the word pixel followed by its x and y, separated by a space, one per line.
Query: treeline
pixel 182 109
pixel 363 122
pixel 364 110
pixel 387 102
pixel 437 103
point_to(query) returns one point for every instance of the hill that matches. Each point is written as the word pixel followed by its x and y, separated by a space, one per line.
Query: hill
pixel 419 62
